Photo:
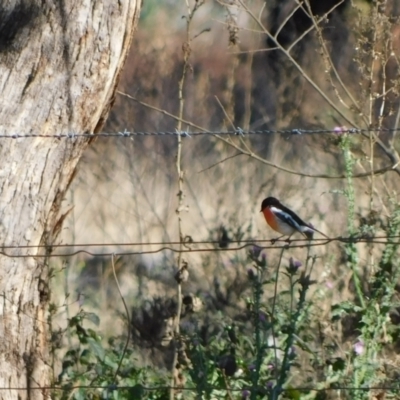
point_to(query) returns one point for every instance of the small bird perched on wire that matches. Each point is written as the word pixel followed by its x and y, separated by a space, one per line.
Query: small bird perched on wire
pixel 283 220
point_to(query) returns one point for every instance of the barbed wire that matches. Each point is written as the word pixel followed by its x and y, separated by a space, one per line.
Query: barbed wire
pixel 238 132
pixel 193 389
pixel 167 246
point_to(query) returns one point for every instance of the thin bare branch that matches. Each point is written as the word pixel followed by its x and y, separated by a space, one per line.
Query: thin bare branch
pixel 392 167
pixel 298 67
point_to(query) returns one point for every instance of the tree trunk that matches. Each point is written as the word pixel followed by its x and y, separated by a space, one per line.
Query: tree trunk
pixel 59 64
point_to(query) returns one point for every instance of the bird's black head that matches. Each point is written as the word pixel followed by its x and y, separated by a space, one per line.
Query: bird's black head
pixel 269 202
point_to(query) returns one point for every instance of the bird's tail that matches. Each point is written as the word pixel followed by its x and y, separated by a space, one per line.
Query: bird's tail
pixel 310 232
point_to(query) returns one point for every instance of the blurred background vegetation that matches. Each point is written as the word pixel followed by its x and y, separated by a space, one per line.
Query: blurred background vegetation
pixel 252 65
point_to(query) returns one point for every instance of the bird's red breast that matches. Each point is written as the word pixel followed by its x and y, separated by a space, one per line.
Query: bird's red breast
pixel 270 218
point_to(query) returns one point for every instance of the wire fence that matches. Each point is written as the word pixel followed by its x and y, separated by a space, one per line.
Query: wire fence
pixel 264 390
pixel 187 133
pixel 349 239
pixel 189 246
pixel 192 246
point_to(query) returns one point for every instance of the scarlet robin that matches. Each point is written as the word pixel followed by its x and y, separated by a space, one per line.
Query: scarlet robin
pixel 283 220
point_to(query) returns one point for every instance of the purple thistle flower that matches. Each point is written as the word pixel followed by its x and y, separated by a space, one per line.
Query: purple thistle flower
pixel 339 130
pixel 294 265
pixel 256 251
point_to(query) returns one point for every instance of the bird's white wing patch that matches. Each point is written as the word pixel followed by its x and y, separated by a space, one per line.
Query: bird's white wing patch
pixel 285 217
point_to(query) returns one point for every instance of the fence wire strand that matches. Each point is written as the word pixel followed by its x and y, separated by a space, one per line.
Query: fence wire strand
pixel 190 242
pixel 112 388
pixel 189 246
pixel 238 132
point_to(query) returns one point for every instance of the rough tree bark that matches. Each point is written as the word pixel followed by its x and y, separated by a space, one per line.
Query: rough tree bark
pixel 59 63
